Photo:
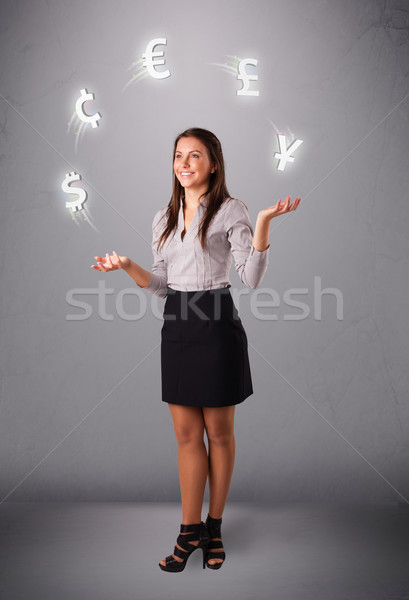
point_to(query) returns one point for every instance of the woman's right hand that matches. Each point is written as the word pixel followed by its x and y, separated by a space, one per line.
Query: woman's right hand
pixel 111 263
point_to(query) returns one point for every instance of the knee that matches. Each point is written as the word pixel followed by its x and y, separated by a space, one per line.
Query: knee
pixel 220 437
pixel 189 436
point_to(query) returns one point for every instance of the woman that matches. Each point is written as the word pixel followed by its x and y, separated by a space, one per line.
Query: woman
pixel 204 360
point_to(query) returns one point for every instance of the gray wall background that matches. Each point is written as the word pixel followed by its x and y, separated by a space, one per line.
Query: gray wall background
pixel 81 412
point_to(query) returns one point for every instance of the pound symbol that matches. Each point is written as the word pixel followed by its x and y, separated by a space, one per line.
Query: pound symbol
pixel 246 78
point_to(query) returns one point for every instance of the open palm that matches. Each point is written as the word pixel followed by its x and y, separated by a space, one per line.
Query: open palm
pixel 111 263
pixel 280 208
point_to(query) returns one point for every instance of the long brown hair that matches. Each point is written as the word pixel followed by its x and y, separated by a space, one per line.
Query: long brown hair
pixel 217 191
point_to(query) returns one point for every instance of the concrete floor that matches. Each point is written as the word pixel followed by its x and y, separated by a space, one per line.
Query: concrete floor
pixel 110 551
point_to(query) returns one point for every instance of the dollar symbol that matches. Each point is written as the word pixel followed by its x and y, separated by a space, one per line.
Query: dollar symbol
pixel 153 59
pixel 82 194
pixel 284 155
pixel 93 119
pixel 246 78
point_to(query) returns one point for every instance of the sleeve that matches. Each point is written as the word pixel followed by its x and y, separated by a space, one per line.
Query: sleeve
pixel 250 264
pixel 159 274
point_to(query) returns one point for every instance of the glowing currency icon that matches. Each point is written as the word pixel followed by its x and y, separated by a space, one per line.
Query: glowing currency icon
pixel 154 58
pixel 284 155
pixel 82 194
pixel 246 78
pixel 93 119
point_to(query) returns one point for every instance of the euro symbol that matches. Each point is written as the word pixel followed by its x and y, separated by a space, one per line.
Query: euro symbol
pixel 246 78
pixel 153 59
pixel 284 155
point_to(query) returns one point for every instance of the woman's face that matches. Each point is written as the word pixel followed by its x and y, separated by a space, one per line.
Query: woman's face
pixel 192 165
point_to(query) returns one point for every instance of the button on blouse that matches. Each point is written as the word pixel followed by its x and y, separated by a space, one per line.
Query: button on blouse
pixel 182 264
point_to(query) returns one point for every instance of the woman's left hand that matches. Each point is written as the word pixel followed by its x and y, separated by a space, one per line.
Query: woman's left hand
pixel 279 209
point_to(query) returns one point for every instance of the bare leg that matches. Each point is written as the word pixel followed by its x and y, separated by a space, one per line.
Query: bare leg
pixel 219 423
pixel 192 461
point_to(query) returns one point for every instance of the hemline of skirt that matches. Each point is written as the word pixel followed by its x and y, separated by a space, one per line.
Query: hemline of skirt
pixel 218 405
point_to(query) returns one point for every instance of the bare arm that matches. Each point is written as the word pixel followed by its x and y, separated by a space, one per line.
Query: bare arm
pixel 140 276
pixel 261 233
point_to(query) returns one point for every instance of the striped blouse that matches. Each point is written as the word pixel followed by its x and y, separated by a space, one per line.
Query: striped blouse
pixel 182 264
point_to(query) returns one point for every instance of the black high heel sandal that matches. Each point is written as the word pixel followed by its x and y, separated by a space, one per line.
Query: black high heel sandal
pixel 213 526
pixel 197 531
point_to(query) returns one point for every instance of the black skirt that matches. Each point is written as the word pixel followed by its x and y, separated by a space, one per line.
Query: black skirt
pixel 204 354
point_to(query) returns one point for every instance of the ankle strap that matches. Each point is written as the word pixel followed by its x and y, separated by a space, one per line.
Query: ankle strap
pixel 195 527
pixel 214 526
pixel 213 521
